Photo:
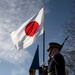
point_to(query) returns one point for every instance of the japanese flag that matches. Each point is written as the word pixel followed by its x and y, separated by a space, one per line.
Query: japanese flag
pixel 26 34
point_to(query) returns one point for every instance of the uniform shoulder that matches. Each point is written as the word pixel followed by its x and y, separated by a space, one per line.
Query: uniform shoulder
pixel 58 58
pixel 58 55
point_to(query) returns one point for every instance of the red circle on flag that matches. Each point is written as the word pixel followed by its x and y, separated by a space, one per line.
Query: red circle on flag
pixel 31 28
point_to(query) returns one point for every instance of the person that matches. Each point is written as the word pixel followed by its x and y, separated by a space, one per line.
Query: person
pixel 56 62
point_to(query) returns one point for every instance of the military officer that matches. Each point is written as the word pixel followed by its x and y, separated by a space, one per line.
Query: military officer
pixel 56 62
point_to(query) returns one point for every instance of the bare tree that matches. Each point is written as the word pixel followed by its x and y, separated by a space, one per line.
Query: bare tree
pixel 70 55
pixel 70 28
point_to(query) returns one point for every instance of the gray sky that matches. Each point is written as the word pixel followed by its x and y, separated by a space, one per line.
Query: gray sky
pixel 15 12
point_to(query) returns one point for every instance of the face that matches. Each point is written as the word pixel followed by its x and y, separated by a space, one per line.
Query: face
pixel 54 51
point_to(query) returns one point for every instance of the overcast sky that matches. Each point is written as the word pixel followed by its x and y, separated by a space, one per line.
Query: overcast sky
pixel 15 12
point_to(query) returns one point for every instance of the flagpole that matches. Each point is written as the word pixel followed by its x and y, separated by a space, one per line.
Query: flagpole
pixel 44 46
pixel 44 41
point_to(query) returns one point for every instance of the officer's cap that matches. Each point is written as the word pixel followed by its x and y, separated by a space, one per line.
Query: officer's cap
pixel 54 45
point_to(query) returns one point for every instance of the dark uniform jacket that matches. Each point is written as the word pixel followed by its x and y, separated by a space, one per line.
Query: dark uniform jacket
pixel 56 65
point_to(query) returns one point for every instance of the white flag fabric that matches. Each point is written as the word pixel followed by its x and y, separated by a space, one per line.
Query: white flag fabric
pixel 28 31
